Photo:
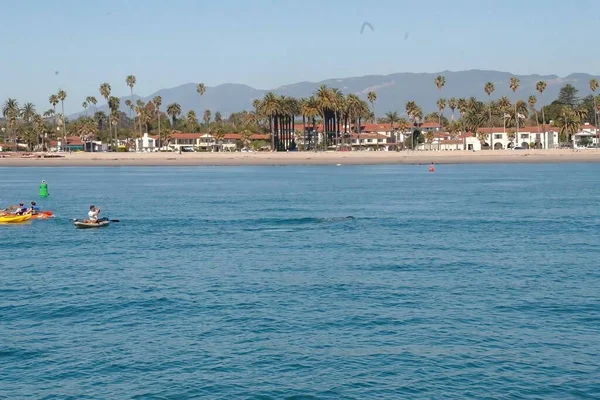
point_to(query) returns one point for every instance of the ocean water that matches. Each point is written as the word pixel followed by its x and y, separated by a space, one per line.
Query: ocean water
pixel 478 281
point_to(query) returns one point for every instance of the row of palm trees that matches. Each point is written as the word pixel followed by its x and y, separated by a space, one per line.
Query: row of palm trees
pixel 21 119
pixel 568 121
pixel 335 110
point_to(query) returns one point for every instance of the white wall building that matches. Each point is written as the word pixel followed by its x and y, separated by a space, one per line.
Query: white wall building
pixel 146 143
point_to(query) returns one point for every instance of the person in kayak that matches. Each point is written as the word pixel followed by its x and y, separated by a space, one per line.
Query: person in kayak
pixel 34 209
pixel 21 209
pixel 93 214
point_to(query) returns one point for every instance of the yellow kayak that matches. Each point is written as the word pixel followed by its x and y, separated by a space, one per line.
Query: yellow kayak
pixel 14 219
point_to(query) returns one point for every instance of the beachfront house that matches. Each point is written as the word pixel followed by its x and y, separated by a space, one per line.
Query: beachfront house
pixel 208 141
pixel 72 143
pixel 587 136
pixel 94 146
pixel 500 138
pixel 146 143
pixel 179 141
pixel 370 141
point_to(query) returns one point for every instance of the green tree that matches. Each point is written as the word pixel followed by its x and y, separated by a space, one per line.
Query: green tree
pixel 191 121
pixel 593 88
pixel 157 100
pixel 62 96
pixel 440 82
pixel 514 84
pixel 92 100
pixel 130 81
pixel 105 90
pixel 372 96
pixel 452 105
pixel 489 89
pixel 568 123
pixel 174 110
pixel 11 111
pixel 568 96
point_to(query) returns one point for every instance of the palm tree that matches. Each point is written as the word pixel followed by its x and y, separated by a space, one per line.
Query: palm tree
pixel 114 120
pixel 581 112
pixel 206 118
pixel 540 86
pixel 131 81
pixel 392 118
pixel 105 92
pixel 593 88
pixel 532 101
pixel 191 120
pixel 28 115
pixel 173 110
pixel 441 105
pixel 309 108
pixel 11 111
pixel 568 122
pixel 326 100
pixel 40 128
pixel 201 89
pixel 439 82
pixel 514 84
pixel 129 104
pixel 475 117
pixel 269 108
pixel 157 100
pixel 452 105
pixel 28 112
pixel 114 103
pixel 413 111
pixel 91 100
pixel 85 105
pixel 372 96
pixel 504 106
pixel 489 89
pixel 462 106
pixel 54 101
pixel 246 135
pixel 140 112
pixel 62 96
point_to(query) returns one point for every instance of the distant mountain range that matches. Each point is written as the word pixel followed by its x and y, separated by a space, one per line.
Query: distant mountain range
pixel 393 91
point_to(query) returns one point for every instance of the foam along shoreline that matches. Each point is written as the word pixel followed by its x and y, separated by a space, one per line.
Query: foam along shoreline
pixel 307 158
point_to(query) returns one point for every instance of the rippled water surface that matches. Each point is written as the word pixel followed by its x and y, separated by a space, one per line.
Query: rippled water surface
pixel 478 281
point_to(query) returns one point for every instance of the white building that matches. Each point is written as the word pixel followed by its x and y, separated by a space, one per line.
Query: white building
pixel 586 137
pixel 373 141
pixel 146 143
pixel 499 138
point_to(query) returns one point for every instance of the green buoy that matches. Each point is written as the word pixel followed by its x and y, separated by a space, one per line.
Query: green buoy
pixel 44 189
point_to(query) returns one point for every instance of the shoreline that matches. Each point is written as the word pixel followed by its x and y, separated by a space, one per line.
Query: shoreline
pixel 306 158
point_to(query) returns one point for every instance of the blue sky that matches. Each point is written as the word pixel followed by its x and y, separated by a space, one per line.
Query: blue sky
pixel 268 43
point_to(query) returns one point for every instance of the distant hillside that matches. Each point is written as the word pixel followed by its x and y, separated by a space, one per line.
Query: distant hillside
pixel 393 91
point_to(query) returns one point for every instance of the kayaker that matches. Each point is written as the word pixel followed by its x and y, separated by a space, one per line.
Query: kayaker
pixel 93 214
pixel 34 209
pixel 21 209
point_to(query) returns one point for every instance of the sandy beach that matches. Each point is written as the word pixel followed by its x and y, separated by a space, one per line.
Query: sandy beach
pixel 303 158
